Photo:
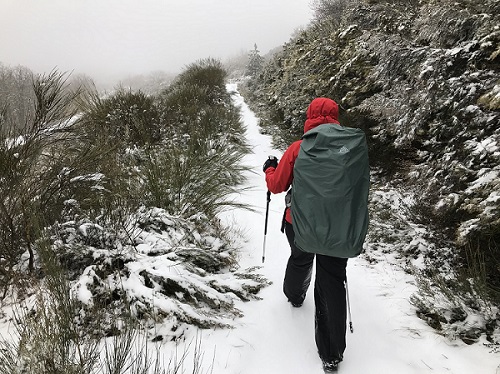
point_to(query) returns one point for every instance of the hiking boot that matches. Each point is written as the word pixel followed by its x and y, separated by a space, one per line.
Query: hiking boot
pixel 295 305
pixel 331 366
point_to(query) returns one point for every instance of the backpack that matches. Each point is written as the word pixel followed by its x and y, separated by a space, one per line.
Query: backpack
pixel 331 182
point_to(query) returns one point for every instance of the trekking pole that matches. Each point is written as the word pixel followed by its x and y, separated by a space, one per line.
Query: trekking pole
pixel 348 307
pixel 265 226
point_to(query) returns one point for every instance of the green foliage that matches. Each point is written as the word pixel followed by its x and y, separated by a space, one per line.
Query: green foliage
pixel 198 92
pixel 208 73
pixel 197 179
pixel 481 262
pixel 30 183
pixel 126 118
pixel 16 98
pixel 200 165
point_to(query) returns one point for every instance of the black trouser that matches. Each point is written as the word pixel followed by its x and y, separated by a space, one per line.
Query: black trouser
pixel 329 295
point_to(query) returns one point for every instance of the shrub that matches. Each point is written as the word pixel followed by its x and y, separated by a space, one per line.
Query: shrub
pixel 197 179
pixel 126 118
pixel 199 166
pixel 207 73
pixel 29 181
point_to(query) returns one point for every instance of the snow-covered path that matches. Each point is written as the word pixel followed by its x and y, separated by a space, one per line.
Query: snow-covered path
pixel 273 337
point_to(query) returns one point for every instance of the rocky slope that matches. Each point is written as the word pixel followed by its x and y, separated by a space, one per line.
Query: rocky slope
pixel 422 79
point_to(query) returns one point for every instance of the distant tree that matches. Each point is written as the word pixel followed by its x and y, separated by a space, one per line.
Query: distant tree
pixel 255 62
pixel 16 98
pixel 236 65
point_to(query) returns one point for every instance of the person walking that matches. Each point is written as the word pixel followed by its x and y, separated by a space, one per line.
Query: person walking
pixel 329 285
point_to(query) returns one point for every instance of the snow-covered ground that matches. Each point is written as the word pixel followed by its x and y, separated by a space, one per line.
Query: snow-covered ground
pixel 274 338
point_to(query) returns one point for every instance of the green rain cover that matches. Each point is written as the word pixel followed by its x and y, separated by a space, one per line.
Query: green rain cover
pixel 331 182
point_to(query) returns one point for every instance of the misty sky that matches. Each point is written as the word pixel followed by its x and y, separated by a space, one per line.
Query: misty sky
pixel 108 39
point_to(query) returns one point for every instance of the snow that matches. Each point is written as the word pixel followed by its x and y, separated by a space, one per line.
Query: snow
pixel 272 337
pixel 348 31
pixel 485 176
pixel 95 177
pixel 15 142
pixel 81 291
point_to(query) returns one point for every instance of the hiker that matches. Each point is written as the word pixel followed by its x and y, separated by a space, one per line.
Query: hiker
pixel 329 288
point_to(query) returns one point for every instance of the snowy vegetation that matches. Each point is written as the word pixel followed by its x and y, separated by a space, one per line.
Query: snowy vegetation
pixel 421 78
pixel 109 213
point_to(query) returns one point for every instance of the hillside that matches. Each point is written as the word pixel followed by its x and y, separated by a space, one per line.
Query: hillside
pixel 421 78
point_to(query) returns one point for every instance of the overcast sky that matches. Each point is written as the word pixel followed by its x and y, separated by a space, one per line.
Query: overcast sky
pixel 113 38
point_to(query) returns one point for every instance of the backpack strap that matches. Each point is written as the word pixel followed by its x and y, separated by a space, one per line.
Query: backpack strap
pixel 283 221
pixel 288 204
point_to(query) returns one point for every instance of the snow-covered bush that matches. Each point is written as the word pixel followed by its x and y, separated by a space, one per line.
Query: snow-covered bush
pixel 159 267
pixel 48 337
pixel 198 165
pixel 198 179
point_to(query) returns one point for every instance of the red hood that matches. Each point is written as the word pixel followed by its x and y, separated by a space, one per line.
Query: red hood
pixel 321 110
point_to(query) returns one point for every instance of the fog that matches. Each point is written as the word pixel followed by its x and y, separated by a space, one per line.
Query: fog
pixel 110 39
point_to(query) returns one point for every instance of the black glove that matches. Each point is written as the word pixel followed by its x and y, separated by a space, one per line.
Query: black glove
pixel 272 161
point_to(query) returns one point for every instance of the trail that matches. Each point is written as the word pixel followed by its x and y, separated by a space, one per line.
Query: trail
pixel 275 338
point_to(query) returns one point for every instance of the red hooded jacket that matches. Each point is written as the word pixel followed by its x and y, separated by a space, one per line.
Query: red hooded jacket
pixel 321 110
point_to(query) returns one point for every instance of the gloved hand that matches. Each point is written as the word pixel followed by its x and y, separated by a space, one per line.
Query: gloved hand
pixel 272 161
